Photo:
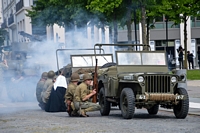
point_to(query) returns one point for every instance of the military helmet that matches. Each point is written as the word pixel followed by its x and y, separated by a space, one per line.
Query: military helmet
pixel 87 76
pixel 44 75
pixel 51 74
pixel 75 77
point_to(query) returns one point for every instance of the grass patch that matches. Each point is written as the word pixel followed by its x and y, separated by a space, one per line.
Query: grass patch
pixel 193 74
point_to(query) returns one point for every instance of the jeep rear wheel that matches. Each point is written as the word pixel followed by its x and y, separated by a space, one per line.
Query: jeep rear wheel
pixel 153 110
pixel 181 109
pixel 127 103
pixel 105 105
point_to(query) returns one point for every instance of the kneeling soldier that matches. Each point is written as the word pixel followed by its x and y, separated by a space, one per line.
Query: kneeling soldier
pixel 69 95
pixel 82 96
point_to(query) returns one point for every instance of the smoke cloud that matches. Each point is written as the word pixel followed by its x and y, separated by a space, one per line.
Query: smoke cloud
pixel 41 58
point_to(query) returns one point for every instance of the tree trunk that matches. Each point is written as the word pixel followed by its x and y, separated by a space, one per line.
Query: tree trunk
pixel 92 33
pixel 148 30
pixel 128 22
pixel 143 22
pixel 103 33
pixel 115 29
pixel 115 32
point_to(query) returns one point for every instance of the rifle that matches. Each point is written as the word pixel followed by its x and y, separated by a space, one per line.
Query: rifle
pixel 69 109
pixel 95 84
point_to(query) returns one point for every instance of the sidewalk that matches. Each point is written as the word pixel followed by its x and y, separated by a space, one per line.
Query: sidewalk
pixel 193 83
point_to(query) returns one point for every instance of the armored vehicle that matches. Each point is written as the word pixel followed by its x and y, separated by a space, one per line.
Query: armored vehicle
pixel 141 79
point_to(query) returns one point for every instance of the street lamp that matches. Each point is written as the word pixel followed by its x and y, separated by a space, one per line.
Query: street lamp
pixel 135 19
pixel 166 20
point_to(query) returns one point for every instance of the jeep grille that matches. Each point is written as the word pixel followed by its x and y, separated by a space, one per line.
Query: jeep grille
pixel 157 83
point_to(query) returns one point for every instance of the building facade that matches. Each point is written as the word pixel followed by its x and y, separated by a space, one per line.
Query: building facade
pixel 15 20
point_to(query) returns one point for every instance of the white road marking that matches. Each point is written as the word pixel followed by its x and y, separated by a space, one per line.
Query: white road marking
pixel 194 105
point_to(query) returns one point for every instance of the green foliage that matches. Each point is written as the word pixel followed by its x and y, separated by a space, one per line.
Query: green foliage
pixel 173 8
pixel 61 12
pixel 104 6
pixel 193 74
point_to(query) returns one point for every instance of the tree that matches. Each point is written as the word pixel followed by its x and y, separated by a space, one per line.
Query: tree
pixel 71 14
pixel 111 10
pixel 174 8
pixel 62 12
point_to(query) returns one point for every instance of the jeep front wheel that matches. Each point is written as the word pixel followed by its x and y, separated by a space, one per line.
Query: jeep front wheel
pixel 105 105
pixel 181 109
pixel 127 103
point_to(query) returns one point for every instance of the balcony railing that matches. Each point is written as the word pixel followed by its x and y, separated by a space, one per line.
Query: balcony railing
pixel 4 24
pixel 19 5
pixel 11 20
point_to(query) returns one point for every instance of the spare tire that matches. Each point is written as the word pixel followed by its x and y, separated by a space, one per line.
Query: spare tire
pixel 109 64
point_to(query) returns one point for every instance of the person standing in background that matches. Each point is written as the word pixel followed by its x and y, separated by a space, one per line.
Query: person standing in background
pixel 198 54
pixel 180 58
pixel 190 57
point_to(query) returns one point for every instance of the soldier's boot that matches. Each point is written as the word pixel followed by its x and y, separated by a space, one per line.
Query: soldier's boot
pixel 74 113
pixel 82 113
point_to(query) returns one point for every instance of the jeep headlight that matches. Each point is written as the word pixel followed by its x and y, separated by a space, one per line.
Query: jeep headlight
pixel 173 79
pixel 140 79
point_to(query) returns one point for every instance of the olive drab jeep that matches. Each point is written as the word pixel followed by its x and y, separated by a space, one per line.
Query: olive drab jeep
pixel 141 79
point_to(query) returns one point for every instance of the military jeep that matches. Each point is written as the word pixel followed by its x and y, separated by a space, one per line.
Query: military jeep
pixel 141 79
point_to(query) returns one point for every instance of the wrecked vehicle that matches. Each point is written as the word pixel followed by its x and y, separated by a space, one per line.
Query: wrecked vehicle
pixel 141 79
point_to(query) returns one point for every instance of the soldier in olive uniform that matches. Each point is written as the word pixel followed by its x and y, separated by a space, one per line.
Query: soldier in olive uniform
pixel 69 95
pixel 3 67
pixel 47 93
pixel 82 96
pixel 48 82
pixel 39 88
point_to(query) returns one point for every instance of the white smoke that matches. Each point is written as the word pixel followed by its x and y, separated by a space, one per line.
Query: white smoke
pixel 42 58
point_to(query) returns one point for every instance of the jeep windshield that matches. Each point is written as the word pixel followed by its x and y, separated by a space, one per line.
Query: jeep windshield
pixel 140 58
pixel 89 60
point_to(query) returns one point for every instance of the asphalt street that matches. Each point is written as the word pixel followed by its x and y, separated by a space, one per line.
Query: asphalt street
pixel 193 91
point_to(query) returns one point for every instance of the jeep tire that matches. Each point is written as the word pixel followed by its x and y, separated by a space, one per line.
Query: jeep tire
pixel 153 110
pixel 181 109
pixel 127 103
pixel 105 105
